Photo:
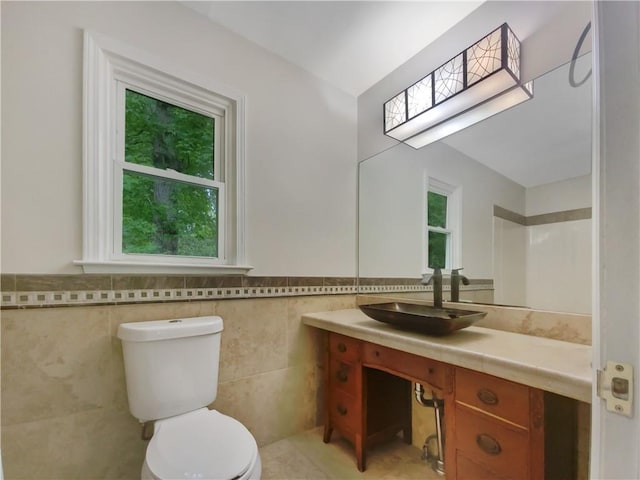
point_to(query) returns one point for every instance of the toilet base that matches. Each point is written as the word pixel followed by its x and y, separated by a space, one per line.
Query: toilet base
pixel 253 473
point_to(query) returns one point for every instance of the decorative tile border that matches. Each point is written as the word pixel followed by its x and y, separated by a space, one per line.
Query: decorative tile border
pixel 112 297
pixel 505 214
pixel 369 285
pixel 543 219
pixel 31 291
pixel 556 217
pixel 367 289
pixel 34 291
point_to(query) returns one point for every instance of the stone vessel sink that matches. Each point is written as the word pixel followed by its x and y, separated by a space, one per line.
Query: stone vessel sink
pixel 422 318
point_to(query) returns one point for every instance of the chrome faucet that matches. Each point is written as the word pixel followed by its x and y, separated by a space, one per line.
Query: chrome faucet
pixel 436 279
pixel 456 278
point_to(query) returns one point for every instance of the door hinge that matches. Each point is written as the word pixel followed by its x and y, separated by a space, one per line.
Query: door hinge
pixel 615 386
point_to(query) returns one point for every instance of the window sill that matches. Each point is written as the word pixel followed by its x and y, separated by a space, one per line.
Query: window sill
pixel 161 268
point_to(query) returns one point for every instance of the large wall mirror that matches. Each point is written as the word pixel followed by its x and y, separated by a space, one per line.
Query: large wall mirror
pixel 519 213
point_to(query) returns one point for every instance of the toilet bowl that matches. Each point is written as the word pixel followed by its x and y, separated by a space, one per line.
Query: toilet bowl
pixel 204 444
pixel 171 370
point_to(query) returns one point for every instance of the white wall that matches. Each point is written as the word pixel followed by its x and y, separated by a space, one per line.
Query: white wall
pixel 509 262
pixel 301 136
pixel 559 254
pixel 391 209
pixel 559 196
pixel 559 266
pixel 546 266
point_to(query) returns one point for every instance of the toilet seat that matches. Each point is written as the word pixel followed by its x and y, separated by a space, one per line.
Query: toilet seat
pixel 203 444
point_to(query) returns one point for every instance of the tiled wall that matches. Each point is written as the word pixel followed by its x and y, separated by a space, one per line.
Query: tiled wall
pixel 64 404
pixel 64 407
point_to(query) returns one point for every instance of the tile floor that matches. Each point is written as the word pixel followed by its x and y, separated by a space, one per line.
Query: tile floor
pixel 306 457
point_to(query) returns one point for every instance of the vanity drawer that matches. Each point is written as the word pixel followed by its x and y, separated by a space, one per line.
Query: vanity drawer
pixel 344 348
pixel 343 376
pixel 493 395
pixel 415 367
pixel 495 445
pixel 344 411
pixel 469 470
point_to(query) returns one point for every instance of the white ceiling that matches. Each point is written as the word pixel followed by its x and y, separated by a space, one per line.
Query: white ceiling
pixel 350 44
pixel 510 142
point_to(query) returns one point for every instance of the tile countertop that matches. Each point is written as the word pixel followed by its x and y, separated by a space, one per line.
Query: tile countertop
pixel 552 365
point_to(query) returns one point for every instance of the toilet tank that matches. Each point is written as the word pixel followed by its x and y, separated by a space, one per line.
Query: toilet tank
pixel 171 366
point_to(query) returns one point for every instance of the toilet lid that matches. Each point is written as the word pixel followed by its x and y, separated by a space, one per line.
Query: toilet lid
pixel 204 444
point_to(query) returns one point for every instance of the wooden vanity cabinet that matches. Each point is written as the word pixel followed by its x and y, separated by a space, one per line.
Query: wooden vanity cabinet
pixel 365 406
pixel 494 429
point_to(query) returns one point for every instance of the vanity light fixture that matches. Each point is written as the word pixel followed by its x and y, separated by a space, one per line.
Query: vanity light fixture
pixel 479 82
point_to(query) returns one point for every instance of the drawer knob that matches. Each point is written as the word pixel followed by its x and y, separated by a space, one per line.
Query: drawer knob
pixel 488 444
pixel 342 410
pixel 342 375
pixel 487 397
pixel 342 347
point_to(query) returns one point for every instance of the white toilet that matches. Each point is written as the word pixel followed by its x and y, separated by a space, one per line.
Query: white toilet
pixel 171 368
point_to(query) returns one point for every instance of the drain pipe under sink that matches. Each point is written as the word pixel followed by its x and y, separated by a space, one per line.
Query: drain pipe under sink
pixel 436 461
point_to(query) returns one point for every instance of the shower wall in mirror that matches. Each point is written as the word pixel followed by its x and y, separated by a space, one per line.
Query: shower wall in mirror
pixel 524 219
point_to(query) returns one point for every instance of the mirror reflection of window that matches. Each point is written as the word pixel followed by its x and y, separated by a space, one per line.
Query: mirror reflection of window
pixel 443 220
pixel 437 226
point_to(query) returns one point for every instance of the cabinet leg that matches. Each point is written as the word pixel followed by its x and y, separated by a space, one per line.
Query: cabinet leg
pixel 360 453
pixel 328 430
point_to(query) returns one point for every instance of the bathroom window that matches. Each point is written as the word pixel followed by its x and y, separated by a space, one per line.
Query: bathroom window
pixel 163 165
pixel 443 231
pixel 171 192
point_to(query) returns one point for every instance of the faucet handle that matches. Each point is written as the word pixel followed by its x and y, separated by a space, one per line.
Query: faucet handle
pixel 456 272
pixel 428 277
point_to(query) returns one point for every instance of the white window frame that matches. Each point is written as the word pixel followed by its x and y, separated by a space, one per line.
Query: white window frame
pixel 110 68
pixel 454 223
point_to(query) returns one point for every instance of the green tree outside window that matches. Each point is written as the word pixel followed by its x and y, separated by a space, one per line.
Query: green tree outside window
pixel 165 216
pixel 437 240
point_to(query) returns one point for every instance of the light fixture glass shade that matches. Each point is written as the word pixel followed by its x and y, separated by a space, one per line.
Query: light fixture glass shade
pixel 479 82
